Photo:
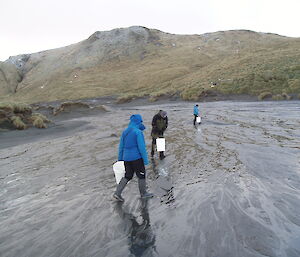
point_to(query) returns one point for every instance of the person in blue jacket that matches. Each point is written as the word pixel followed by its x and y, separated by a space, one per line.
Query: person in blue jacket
pixel 196 113
pixel 132 150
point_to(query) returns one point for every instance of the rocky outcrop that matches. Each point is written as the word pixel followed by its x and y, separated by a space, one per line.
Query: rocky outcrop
pixel 19 61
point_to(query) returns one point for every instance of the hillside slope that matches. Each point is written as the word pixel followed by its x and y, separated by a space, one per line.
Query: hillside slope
pixel 141 61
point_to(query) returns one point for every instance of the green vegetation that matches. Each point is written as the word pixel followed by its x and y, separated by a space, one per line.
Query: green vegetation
pixel 194 67
pixel 19 116
pixel 69 106
pixel 21 108
pixel 154 96
pixel 264 95
pixel 125 98
pixel 18 123
pixel 39 123
pixel 39 120
pixel 286 96
pixel 15 107
pixel 190 94
pixel 35 116
pixel 277 97
pixel 9 78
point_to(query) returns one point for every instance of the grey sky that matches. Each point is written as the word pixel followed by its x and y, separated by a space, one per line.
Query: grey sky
pixel 28 26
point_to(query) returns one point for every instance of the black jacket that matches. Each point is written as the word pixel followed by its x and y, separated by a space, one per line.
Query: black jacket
pixel 159 124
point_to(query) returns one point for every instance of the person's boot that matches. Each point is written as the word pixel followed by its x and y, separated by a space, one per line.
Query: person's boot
pixel 120 187
pixel 142 188
pixel 152 153
pixel 161 155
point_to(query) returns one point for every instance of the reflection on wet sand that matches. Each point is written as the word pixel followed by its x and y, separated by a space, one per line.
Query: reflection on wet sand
pixel 162 185
pixel 141 239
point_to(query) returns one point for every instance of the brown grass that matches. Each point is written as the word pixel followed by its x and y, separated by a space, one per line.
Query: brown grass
pixel 68 106
pixel 40 116
pixel 286 96
pixel 277 97
pixel 264 95
pixel 240 62
pixel 6 107
pixel 39 122
pixel 125 98
pixel 18 123
pixel 20 116
pixel 22 108
pixel 15 107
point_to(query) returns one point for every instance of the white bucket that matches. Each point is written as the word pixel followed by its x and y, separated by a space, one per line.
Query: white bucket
pixel 119 170
pixel 198 119
pixel 161 144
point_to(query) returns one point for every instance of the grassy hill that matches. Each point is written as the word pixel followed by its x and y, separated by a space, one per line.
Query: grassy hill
pixel 137 61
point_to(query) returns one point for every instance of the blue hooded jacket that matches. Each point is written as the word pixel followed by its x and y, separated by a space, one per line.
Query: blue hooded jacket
pixel 132 143
pixel 196 110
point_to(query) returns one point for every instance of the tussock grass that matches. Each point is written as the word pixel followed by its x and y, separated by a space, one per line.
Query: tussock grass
pixel 18 123
pixel 40 116
pixel 194 93
pixel 190 94
pixel 68 106
pixel 22 108
pixel 15 107
pixel 286 96
pixel 128 97
pixel 8 107
pixel 277 97
pixel 163 92
pixel 264 95
pixel 39 122
pixel 20 116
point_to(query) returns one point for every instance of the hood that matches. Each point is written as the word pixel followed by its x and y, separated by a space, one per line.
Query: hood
pixel 136 121
pixel 163 114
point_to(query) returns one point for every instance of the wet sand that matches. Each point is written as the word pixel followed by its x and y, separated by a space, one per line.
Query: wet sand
pixel 228 187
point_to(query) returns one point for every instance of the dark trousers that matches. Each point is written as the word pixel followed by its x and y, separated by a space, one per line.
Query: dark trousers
pixel 161 154
pixel 161 134
pixel 195 117
pixel 136 167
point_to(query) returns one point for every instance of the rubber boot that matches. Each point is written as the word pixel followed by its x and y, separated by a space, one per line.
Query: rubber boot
pixel 152 153
pixel 152 150
pixel 161 155
pixel 142 188
pixel 120 187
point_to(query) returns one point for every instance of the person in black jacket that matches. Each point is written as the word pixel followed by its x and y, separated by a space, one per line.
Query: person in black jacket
pixel 159 125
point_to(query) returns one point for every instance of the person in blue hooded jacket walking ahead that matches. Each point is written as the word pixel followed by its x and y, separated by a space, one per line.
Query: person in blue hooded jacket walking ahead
pixel 132 150
pixel 196 113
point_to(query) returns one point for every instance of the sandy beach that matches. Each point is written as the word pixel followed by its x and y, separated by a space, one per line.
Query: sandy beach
pixel 228 187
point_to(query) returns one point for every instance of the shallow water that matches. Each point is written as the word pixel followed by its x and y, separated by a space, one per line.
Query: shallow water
pixel 228 187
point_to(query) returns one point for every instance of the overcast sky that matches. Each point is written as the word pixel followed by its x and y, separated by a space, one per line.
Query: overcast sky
pixel 28 26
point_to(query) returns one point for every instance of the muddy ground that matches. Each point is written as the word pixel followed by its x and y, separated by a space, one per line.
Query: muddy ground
pixel 228 187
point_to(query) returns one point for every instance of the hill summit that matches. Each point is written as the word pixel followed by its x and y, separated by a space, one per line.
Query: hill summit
pixel 137 61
